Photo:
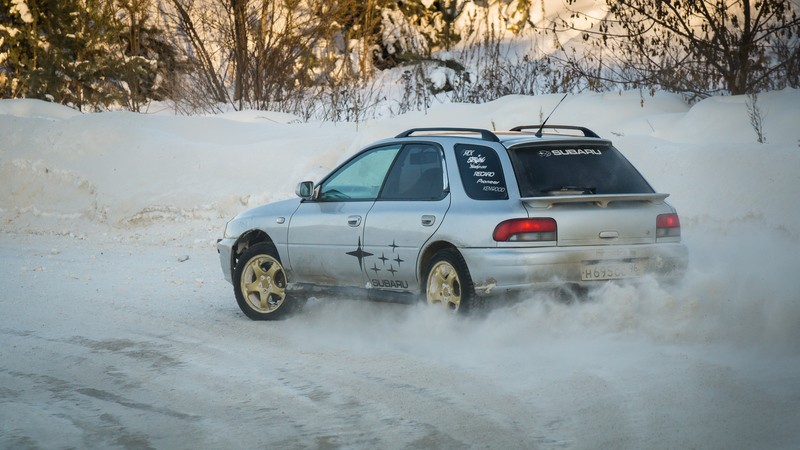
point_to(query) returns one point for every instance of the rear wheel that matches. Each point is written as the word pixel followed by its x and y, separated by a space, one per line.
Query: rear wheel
pixel 448 283
pixel 259 283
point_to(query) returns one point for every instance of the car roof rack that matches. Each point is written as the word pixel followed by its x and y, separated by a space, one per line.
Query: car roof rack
pixel 486 135
pixel 586 132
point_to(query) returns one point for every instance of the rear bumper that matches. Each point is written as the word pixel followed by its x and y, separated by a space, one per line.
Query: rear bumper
pixel 498 270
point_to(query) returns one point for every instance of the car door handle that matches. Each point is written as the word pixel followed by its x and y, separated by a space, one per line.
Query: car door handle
pixel 428 220
pixel 354 221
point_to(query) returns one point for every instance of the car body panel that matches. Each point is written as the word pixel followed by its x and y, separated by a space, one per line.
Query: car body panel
pixel 618 223
pixel 325 243
pixel 271 219
pixel 395 234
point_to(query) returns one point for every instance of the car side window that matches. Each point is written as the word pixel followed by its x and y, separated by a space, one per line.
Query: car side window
pixel 481 172
pixel 360 178
pixel 418 174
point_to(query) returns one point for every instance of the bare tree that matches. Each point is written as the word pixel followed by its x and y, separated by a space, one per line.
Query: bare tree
pixel 209 79
pixel 288 45
pixel 700 47
pixel 756 117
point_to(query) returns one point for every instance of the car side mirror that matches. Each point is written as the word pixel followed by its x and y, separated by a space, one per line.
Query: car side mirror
pixel 305 190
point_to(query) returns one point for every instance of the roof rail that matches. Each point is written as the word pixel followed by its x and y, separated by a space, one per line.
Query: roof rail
pixel 486 135
pixel 586 132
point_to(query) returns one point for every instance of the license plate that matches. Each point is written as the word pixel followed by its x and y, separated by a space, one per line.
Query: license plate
pixel 609 271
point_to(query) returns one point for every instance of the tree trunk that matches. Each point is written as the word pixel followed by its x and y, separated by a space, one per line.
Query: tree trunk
pixel 239 50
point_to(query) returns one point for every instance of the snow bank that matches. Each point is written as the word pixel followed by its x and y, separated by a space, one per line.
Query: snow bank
pixel 36 109
pixel 121 169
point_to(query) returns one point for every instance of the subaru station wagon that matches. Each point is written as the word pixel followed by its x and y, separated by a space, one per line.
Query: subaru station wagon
pixel 457 217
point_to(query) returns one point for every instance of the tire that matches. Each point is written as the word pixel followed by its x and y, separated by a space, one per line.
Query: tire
pixel 447 282
pixel 259 283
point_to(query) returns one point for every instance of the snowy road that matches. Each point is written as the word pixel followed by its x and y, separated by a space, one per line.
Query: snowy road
pixel 118 344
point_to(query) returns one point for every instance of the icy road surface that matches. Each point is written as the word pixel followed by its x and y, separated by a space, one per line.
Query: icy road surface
pixel 119 344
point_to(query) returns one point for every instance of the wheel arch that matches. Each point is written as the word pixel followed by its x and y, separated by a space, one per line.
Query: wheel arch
pixel 249 239
pixel 426 255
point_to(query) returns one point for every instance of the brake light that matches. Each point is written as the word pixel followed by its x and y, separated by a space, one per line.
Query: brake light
pixel 668 225
pixel 526 230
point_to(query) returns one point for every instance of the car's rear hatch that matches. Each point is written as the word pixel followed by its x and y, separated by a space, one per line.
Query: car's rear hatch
pixel 601 219
pixel 592 192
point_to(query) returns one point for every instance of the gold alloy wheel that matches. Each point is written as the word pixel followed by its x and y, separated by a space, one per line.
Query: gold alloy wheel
pixel 444 286
pixel 263 283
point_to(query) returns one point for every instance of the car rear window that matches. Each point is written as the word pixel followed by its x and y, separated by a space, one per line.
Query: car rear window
pixel 481 172
pixel 575 169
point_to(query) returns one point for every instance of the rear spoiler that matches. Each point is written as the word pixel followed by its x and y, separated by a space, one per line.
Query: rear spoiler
pixel 600 200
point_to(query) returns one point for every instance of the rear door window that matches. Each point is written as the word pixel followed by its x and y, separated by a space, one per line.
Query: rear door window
pixel 575 169
pixel 417 174
pixel 481 172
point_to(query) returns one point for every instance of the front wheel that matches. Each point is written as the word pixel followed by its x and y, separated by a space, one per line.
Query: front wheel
pixel 448 283
pixel 259 283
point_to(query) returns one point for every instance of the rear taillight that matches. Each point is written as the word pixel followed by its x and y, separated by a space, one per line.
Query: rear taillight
pixel 668 225
pixel 526 230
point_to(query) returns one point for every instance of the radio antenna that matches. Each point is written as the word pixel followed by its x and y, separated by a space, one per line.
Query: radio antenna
pixel 539 133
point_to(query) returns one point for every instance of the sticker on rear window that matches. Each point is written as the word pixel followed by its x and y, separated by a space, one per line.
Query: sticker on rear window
pixel 570 152
pixel 481 172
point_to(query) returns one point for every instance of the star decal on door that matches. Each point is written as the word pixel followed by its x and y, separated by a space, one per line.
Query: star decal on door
pixel 360 254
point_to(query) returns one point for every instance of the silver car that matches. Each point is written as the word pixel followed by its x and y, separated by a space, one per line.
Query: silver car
pixel 456 217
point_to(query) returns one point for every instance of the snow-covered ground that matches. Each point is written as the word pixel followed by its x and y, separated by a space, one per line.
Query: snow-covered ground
pixel 118 330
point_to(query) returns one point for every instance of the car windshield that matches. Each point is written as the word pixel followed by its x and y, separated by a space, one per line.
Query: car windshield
pixel 575 169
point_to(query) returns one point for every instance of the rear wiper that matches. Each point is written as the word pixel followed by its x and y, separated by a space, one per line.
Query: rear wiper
pixel 570 190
